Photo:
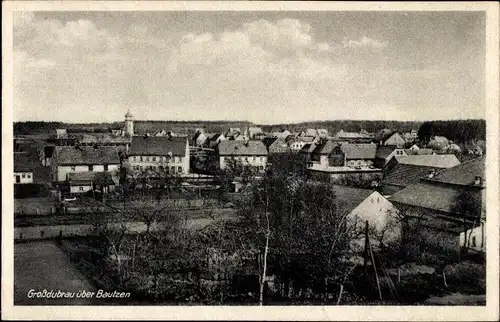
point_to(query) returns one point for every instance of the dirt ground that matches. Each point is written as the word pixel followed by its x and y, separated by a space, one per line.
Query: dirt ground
pixel 42 265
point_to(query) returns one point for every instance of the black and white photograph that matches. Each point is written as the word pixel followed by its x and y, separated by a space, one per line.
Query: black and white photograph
pixel 237 157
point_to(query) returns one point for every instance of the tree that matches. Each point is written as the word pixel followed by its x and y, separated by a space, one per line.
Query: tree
pixel 295 226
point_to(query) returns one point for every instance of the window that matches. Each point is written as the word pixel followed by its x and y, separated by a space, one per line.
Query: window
pixel 140 159
pixel 91 167
pixel 172 170
pixel 24 175
pixel 161 168
pixel 179 169
pixel 73 168
pixel 154 159
pixel 105 167
pixel 473 241
pixel 29 175
pixel 151 167
pixel 80 188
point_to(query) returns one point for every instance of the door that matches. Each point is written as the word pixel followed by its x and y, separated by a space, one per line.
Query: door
pixel 18 179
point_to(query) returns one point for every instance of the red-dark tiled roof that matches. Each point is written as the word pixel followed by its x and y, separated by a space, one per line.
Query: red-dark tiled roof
pixel 234 147
pixel 70 155
pixel 23 162
pixel 162 145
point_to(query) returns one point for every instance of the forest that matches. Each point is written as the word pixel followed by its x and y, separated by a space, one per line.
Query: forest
pixel 456 130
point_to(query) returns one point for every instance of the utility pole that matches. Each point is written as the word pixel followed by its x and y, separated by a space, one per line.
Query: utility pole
pixel 375 270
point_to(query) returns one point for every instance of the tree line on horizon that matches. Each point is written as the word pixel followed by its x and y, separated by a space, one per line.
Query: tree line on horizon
pixel 456 130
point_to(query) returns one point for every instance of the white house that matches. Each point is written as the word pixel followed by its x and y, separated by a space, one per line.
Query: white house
pixel 385 153
pixel 160 154
pixel 250 153
pixel 23 168
pixel 395 139
pixel 81 182
pixel 71 159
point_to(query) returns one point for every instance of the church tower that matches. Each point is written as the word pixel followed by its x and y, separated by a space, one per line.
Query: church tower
pixel 129 124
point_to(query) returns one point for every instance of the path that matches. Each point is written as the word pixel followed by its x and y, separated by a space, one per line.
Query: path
pixel 42 265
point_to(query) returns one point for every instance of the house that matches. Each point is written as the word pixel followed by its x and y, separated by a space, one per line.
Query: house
pixel 296 143
pixel 361 206
pixel 275 145
pixel 439 143
pixel 101 139
pixel 454 148
pixel 255 132
pixel 232 133
pixel 422 151
pixel 168 154
pixel 329 153
pixel 69 159
pixel 385 153
pixel 365 206
pixel 200 138
pixel 250 153
pixel 403 171
pixel 414 147
pixel 310 132
pixel 81 182
pixel 214 140
pixel 382 135
pixel 282 134
pixel 322 133
pixel 160 133
pixel 23 168
pixel 474 149
pixel 46 154
pixel 395 139
pixel 61 134
pixel 411 136
pixel 355 137
pixel 448 208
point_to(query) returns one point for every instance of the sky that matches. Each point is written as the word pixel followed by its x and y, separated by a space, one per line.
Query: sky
pixel 264 67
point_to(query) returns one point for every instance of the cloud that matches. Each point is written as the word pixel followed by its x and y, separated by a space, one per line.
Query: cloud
pixel 365 42
pixel 265 71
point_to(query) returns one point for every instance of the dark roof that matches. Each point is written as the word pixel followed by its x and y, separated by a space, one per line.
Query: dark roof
pixel 23 162
pixel 384 151
pixel 383 134
pixel 48 150
pixel 87 155
pixel 87 177
pixel 436 160
pixel 305 148
pixel 405 174
pixel 431 196
pixel 423 151
pixel 359 151
pixel 268 141
pixel 348 198
pixel 463 174
pixel 234 147
pixel 159 145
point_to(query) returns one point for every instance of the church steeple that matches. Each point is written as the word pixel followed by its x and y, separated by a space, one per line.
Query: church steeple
pixel 129 124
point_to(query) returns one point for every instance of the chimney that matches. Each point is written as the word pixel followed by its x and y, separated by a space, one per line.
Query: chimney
pixel 478 181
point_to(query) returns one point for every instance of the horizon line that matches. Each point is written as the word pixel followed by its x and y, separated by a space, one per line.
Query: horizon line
pixel 255 123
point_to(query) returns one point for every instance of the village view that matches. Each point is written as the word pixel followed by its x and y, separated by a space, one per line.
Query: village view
pixel 235 213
